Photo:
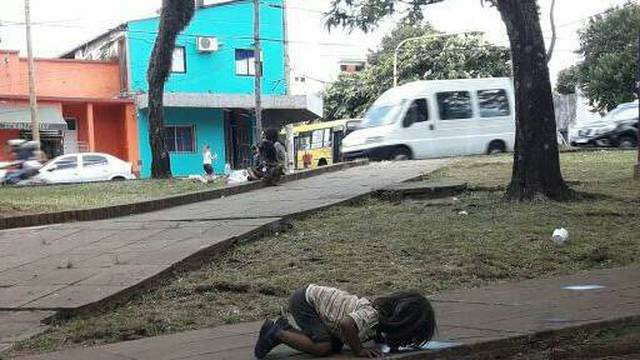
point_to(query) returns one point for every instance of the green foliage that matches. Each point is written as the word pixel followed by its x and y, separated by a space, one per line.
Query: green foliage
pixel 567 81
pixel 451 57
pixel 609 45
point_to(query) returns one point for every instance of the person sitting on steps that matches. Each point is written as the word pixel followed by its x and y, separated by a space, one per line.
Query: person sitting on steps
pixel 320 320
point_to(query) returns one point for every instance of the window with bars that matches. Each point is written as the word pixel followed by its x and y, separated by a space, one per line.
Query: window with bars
pixel 180 138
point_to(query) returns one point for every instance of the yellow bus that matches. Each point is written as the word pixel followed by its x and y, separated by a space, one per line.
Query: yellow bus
pixel 318 144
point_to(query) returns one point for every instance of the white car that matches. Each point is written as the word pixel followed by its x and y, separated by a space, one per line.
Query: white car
pixel 85 167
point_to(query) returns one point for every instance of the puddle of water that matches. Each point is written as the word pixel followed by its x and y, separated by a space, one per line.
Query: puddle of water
pixel 583 287
pixel 431 345
pixel 558 320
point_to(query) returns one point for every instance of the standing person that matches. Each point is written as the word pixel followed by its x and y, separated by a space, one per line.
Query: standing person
pixel 327 318
pixel 207 162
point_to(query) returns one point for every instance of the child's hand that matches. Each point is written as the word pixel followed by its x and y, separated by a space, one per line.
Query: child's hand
pixel 370 353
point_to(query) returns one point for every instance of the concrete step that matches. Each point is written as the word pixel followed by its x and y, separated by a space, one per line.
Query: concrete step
pixel 422 190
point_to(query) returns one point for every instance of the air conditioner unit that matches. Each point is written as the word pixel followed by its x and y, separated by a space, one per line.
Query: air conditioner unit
pixel 207 44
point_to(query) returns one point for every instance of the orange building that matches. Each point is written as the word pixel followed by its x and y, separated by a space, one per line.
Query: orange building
pixel 80 106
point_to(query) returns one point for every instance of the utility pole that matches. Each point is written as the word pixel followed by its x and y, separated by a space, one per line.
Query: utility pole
pixel 33 102
pixel 257 54
pixel 637 167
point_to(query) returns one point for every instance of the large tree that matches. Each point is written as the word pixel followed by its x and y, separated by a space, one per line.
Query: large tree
pixel 536 167
pixel 430 58
pixel 175 16
pixel 608 45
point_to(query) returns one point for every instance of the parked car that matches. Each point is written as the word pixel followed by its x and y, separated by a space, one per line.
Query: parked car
pixel 85 167
pixel 429 119
pixel 618 128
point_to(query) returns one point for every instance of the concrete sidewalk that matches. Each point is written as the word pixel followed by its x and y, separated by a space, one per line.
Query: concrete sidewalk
pixel 468 320
pixel 76 266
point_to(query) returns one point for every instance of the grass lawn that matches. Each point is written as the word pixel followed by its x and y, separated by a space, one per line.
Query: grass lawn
pixel 376 247
pixel 30 200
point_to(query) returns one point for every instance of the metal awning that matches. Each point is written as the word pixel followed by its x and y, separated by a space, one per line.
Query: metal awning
pixel 278 110
pixel 19 117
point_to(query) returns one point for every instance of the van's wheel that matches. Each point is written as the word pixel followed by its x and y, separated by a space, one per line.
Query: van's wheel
pixel 627 142
pixel 496 147
pixel 401 153
pixel 322 162
pixel 118 178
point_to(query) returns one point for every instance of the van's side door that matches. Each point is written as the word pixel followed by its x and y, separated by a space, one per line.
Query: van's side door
pixel 418 127
pixel 457 124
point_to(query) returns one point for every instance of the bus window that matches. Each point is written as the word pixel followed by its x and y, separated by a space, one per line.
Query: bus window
pixel 327 137
pixel 316 139
pixel 303 141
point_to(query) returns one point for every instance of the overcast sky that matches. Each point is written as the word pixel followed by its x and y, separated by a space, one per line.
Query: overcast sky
pixel 62 24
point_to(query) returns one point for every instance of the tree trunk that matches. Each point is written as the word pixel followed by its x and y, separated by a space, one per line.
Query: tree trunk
pixel 536 163
pixel 160 164
pixel 175 16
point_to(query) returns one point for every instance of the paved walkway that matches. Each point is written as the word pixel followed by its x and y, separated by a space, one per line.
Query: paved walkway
pixel 465 318
pixel 79 265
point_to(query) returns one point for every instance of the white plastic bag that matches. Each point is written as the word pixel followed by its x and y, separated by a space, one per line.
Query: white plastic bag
pixel 560 236
pixel 237 177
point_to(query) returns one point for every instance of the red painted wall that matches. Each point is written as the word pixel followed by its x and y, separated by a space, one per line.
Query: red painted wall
pixel 59 77
pixel 109 130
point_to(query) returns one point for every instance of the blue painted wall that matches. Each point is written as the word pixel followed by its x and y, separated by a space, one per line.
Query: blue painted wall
pixel 215 72
pixel 209 129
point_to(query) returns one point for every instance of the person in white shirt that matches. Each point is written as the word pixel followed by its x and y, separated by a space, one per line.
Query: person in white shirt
pixel 207 162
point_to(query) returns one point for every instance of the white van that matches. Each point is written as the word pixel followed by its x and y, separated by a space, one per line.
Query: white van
pixel 427 119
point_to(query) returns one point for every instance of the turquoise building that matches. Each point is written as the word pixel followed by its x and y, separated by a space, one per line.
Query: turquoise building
pixel 209 96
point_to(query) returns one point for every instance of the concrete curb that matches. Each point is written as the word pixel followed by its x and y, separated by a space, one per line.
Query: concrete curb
pixel 511 346
pixel 157 204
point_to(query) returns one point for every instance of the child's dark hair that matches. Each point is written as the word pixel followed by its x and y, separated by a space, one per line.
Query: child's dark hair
pixel 406 318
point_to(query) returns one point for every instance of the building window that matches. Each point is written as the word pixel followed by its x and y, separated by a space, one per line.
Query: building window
pixel 179 63
pixel 245 62
pixel 493 103
pixel 180 138
pixel 72 124
pixel 455 105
